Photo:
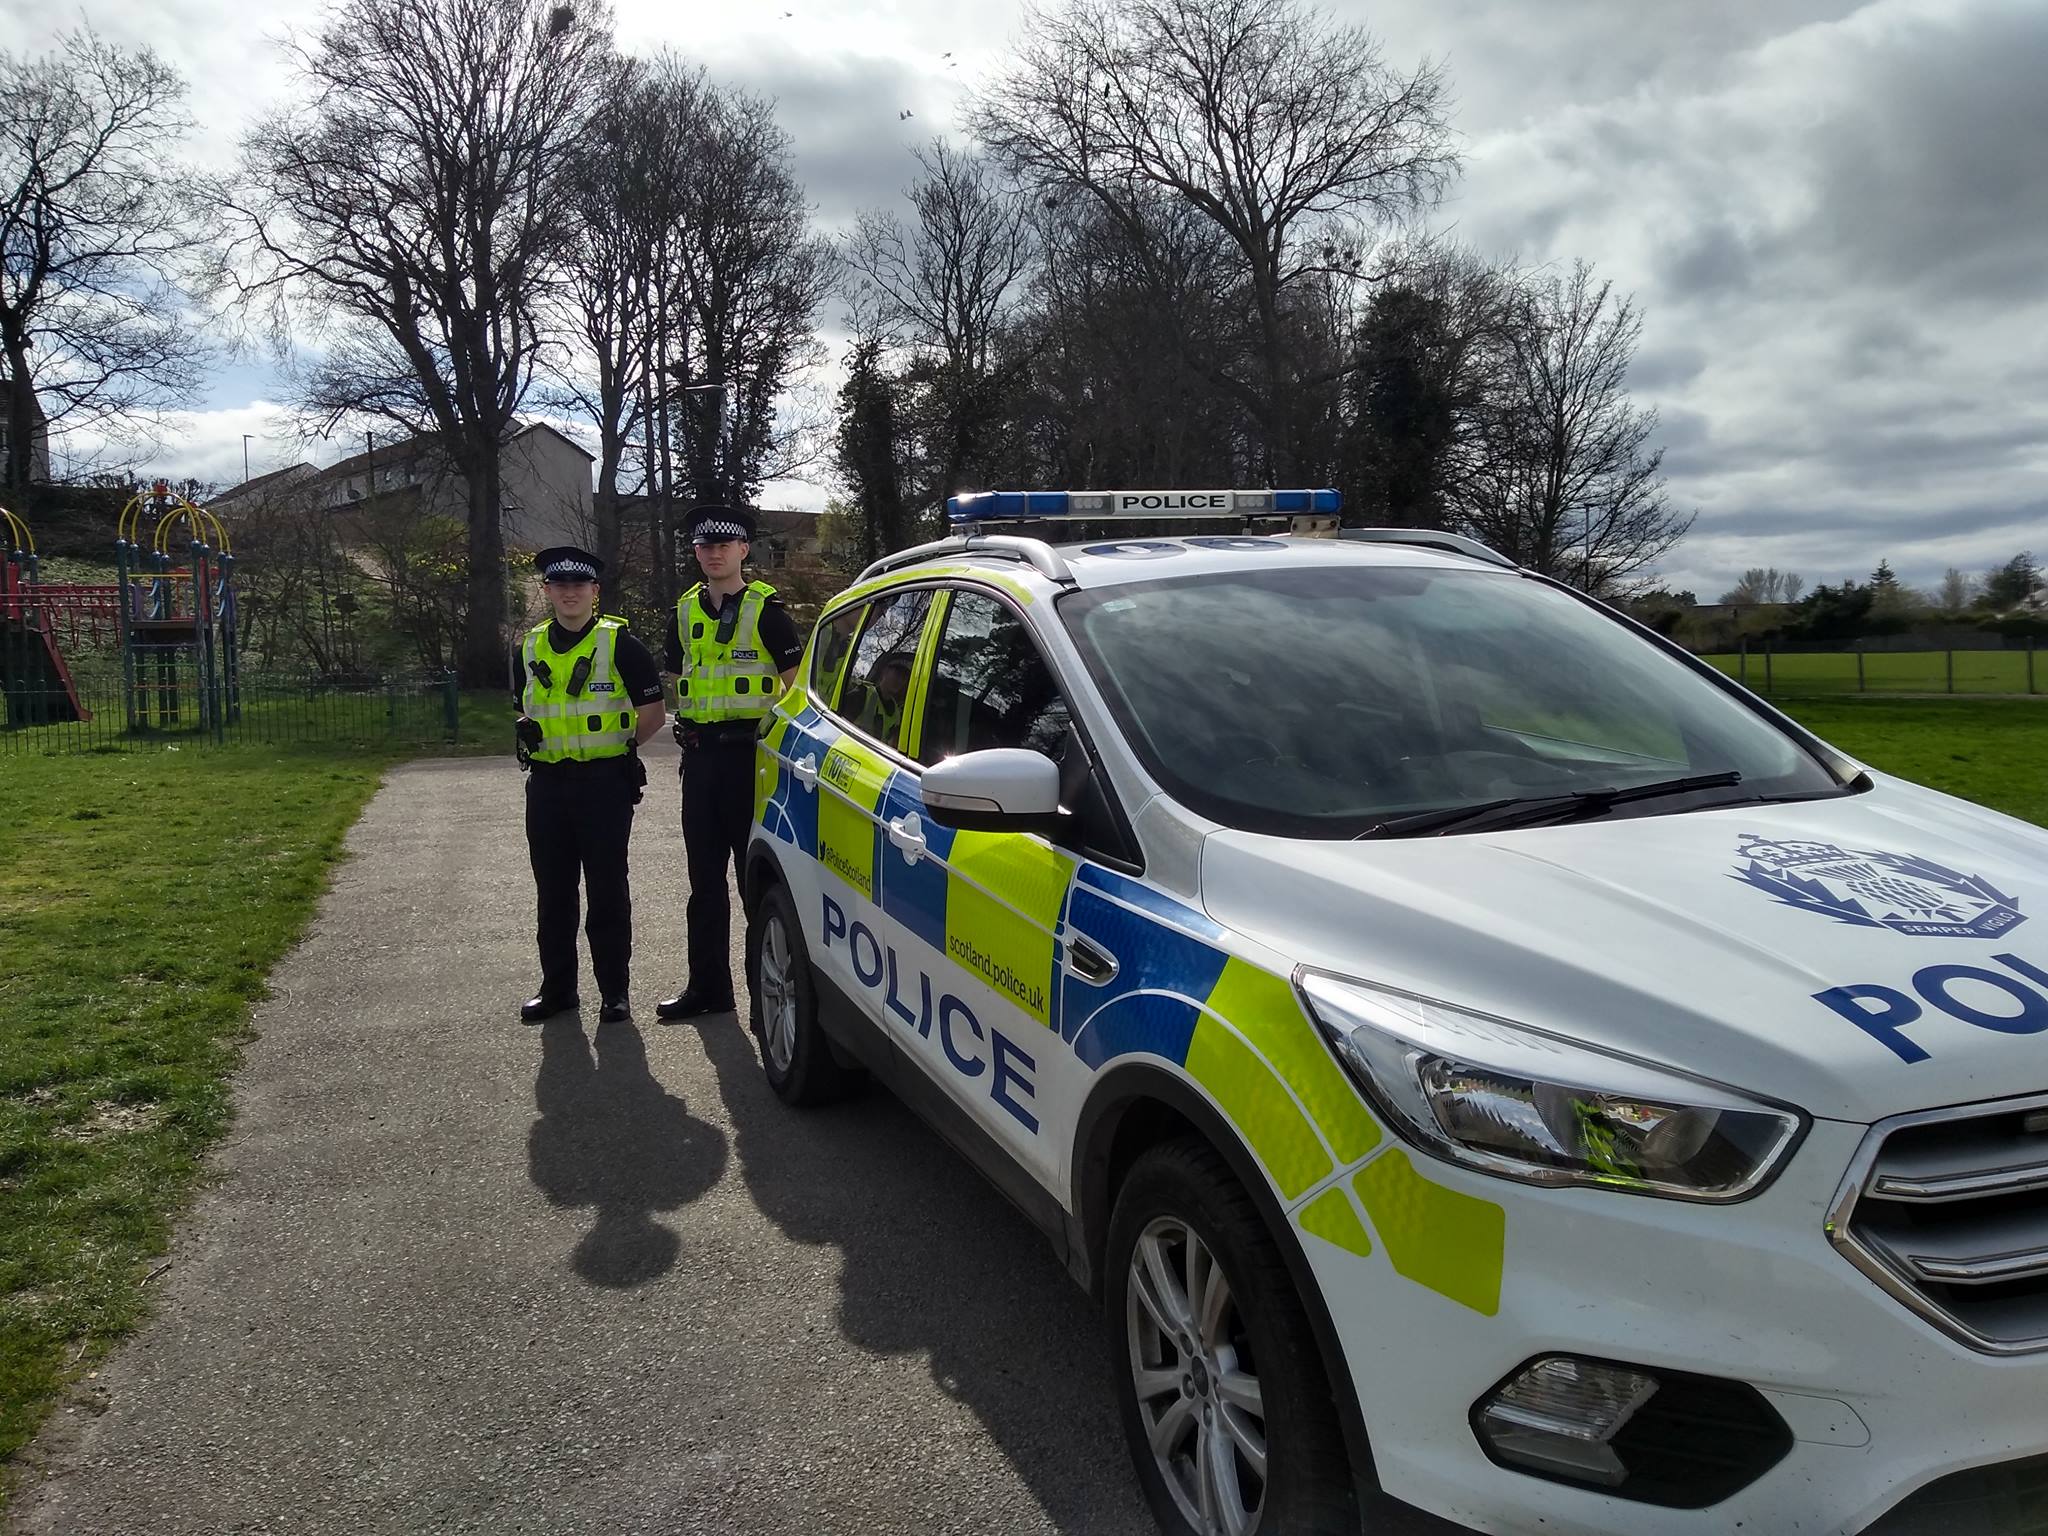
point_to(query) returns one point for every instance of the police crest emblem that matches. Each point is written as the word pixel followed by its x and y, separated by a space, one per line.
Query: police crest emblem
pixel 1876 890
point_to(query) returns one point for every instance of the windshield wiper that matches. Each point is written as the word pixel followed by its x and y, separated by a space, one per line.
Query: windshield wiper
pixel 1526 810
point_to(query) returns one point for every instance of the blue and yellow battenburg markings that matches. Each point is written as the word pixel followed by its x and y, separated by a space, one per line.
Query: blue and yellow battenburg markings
pixel 1235 1028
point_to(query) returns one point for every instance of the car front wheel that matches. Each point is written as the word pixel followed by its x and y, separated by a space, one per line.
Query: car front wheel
pixel 1225 1401
pixel 795 1054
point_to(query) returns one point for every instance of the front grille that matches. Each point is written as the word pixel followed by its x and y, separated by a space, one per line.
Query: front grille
pixel 2010 1499
pixel 1948 1211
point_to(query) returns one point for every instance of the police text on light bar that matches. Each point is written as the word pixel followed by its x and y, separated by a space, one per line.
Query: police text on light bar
pixel 1010 506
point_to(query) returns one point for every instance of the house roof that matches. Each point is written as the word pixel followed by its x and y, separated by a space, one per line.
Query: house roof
pixel 541 426
pixel 405 450
pixel 290 474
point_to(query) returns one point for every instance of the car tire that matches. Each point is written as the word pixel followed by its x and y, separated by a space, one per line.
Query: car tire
pixel 1214 1393
pixel 795 1053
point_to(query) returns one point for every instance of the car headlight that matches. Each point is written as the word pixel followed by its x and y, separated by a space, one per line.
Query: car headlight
pixel 1512 1101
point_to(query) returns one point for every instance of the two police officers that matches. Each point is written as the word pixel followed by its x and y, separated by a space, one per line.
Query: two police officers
pixel 589 695
pixel 732 648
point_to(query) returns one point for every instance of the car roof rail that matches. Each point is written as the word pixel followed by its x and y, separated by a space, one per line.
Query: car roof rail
pixel 1430 538
pixel 1035 553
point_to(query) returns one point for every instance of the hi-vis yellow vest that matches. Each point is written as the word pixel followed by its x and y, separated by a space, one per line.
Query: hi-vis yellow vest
pixel 734 681
pixel 597 720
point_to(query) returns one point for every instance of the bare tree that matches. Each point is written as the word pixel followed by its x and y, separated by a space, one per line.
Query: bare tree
pixel 1128 339
pixel 95 225
pixel 1571 484
pixel 754 275
pixel 943 291
pixel 1294 136
pixel 414 204
pixel 1766 584
pixel 627 184
pixel 1958 590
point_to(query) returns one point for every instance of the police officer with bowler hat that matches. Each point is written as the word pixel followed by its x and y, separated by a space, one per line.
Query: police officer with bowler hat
pixel 732 648
pixel 589 695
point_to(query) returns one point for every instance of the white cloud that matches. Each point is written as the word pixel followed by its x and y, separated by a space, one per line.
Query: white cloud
pixel 1831 211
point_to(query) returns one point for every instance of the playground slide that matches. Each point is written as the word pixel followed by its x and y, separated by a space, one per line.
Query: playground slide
pixel 33 676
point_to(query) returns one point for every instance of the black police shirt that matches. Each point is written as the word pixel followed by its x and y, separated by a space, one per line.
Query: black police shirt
pixel 784 645
pixel 633 661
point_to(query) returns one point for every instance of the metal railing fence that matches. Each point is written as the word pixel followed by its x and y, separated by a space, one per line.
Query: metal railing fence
pixel 1883 665
pixel 169 703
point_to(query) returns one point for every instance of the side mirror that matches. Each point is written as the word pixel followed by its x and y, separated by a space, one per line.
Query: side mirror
pixel 998 789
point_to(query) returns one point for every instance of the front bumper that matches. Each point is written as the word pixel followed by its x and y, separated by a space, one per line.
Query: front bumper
pixel 1880 1403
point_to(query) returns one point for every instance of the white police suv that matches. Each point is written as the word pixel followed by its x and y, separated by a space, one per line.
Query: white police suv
pixel 1471 1049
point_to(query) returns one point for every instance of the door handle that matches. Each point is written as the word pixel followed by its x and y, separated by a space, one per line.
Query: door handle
pixel 806 770
pixel 1089 963
pixel 907 833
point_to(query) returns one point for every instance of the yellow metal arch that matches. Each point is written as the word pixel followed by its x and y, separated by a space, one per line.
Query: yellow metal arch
pixel 18 531
pixel 201 521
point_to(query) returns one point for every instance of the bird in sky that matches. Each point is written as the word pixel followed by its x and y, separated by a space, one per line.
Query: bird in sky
pixel 904 116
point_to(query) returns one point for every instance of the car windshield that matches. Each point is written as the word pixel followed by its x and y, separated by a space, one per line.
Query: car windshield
pixel 1325 702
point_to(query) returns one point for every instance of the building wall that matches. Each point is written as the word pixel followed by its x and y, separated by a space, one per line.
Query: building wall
pixel 547 491
pixel 38 438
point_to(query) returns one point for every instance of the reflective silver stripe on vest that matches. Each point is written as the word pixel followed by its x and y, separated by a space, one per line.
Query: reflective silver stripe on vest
pixel 562 744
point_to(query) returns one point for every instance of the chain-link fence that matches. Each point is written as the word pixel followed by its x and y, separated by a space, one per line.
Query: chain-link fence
pixel 1884 665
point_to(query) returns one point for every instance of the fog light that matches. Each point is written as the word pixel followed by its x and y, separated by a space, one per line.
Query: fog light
pixel 1559 1415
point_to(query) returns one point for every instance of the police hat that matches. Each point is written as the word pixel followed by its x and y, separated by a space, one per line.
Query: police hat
pixel 565 562
pixel 717 524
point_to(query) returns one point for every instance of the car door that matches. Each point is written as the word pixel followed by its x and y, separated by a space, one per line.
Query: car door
pixel 973 920
pixel 859 734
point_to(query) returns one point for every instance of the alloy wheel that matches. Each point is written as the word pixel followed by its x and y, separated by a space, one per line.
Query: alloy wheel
pixel 1197 1385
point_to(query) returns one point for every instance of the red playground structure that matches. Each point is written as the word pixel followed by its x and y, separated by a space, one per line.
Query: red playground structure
pixel 36 618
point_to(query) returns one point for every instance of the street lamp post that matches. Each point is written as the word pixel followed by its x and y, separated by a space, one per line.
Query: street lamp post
pixel 245 456
pixel 720 387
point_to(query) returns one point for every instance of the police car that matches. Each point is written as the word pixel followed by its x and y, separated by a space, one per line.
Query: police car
pixel 1477 1054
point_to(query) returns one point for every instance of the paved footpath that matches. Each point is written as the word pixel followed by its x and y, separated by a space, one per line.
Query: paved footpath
pixel 460 1274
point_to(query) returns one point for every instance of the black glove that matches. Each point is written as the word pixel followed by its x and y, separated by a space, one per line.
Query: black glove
pixel 527 736
pixel 675 728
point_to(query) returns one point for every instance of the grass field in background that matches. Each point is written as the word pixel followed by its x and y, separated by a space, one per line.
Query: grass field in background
pixel 1888 671
pixel 1993 751
pixel 143 899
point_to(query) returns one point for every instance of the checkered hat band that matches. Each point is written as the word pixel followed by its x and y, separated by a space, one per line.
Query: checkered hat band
pixel 581 568
pixel 718 528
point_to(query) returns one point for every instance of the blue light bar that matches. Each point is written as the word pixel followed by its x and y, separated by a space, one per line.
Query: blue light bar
pixel 1015 506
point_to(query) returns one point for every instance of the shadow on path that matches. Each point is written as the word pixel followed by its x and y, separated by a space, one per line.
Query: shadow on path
pixel 935 1260
pixel 611 1137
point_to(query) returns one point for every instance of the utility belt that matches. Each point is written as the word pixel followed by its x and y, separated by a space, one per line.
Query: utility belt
pixel 708 738
pixel 627 769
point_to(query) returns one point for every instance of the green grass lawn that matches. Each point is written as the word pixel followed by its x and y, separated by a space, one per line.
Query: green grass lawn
pixel 143 898
pixel 1889 672
pixel 1988 750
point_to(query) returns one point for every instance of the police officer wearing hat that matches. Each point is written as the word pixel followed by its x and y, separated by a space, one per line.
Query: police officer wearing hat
pixel 589 695
pixel 732 648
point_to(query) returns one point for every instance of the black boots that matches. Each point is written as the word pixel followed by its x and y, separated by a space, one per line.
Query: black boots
pixel 692 1002
pixel 616 1010
pixel 535 1009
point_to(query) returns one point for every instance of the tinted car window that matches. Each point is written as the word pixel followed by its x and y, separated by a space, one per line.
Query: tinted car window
pixel 989 686
pixel 828 654
pixel 878 682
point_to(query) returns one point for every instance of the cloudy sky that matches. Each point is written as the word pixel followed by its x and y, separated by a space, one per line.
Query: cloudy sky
pixel 1834 216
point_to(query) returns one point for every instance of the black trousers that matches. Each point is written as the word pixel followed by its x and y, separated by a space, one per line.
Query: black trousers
pixel 579 819
pixel 718 811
